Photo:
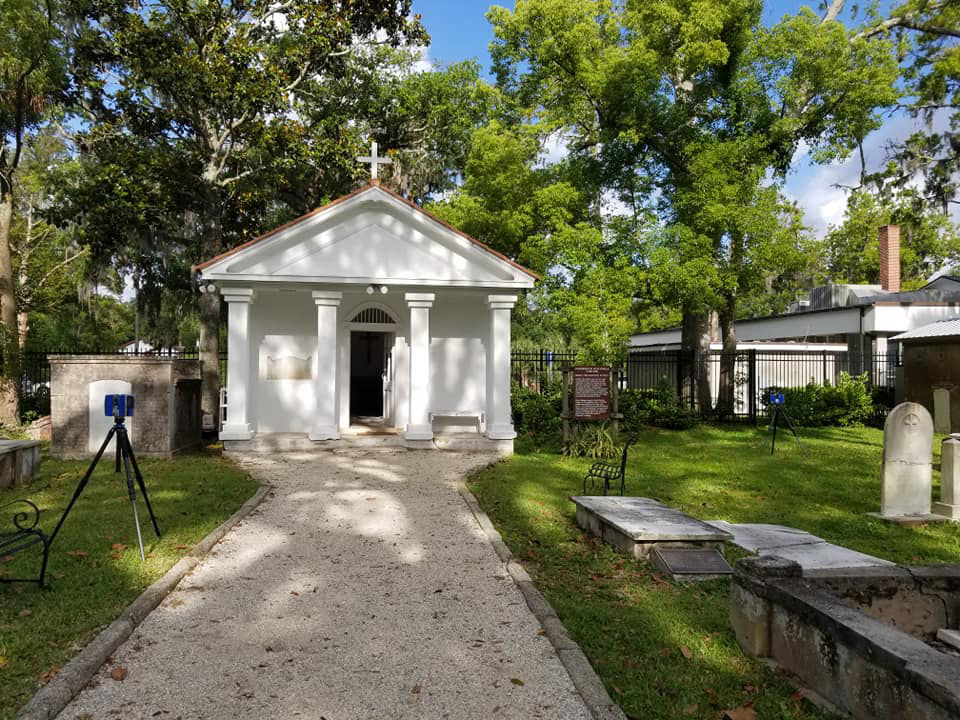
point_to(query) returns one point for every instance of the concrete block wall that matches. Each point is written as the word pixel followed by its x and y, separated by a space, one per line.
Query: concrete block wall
pixel 155 429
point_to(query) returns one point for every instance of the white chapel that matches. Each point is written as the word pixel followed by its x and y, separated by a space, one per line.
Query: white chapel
pixel 367 316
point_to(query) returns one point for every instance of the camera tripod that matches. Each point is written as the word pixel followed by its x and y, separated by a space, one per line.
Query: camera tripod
pixel 127 458
pixel 780 412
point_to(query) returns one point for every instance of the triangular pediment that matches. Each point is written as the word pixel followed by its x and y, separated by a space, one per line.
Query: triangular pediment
pixel 370 237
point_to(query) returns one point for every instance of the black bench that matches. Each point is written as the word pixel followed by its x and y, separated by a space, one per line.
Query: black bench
pixel 609 472
pixel 25 534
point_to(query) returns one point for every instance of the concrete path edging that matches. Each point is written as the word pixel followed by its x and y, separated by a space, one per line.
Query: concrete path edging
pixel 584 677
pixel 53 697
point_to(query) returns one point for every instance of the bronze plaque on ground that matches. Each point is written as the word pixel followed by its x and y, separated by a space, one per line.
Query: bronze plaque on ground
pixel 591 392
pixel 690 563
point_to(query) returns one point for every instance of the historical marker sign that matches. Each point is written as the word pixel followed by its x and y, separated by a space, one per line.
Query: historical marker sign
pixel 591 393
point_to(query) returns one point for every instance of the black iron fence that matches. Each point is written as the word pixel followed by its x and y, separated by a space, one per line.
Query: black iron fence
pixel 535 369
pixel 754 371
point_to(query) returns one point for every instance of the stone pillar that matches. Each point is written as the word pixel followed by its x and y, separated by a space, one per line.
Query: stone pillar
pixel 949 505
pixel 419 426
pixel 499 420
pixel 239 390
pixel 325 426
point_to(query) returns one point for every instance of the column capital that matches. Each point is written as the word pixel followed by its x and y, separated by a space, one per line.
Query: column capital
pixel 501 302
pixel 327 297
pixel 419 300
pixel 237 294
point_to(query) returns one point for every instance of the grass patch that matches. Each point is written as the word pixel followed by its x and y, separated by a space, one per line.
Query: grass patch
pixel 95 569
pixel 666 650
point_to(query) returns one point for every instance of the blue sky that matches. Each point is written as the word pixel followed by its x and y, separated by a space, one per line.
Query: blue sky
pixel 459 30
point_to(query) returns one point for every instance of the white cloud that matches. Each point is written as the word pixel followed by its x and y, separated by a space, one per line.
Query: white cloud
pixel 820 190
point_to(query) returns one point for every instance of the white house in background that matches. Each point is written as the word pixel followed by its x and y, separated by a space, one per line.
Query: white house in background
pixel 860 317
pixel 367 315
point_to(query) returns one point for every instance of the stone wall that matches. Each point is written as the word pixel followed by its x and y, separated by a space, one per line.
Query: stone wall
pixel 860 637
pixel 929 365
pixel 164 420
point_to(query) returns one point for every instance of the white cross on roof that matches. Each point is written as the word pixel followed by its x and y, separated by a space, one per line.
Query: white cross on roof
pixel 374 160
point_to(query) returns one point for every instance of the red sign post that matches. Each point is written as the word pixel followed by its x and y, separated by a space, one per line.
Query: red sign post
pixel 591 393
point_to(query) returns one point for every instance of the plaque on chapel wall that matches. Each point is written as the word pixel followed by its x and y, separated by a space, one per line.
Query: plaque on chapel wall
pixel 591 393
pixel 288 368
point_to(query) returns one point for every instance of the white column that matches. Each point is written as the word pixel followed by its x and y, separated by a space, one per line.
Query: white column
pixel 419 426
pixel 239 390
pixel 499 419
pixel 325 426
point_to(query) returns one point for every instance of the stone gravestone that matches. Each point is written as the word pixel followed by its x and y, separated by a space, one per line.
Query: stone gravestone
pixel 949 505
pixel 941 410
pixel 907 462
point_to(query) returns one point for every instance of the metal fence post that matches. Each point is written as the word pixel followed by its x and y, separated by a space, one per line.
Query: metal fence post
pixel 752 384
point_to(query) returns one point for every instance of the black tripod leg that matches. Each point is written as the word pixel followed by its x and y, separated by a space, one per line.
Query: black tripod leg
pixel 121 445
pixel 776 420
pixel 82 484
pixel 140 482
pixel 796 435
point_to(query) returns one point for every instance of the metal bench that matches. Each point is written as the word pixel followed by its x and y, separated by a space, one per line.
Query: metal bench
pixel 24 535
pixel 609 472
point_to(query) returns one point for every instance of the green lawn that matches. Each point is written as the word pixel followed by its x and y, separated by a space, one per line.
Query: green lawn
pixel 666 650
pixel 95 569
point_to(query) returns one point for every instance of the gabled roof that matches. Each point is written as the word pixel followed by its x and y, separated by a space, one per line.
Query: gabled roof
pixel 369 235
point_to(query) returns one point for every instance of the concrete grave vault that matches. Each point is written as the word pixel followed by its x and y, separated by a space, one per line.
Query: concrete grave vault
pixel 368 315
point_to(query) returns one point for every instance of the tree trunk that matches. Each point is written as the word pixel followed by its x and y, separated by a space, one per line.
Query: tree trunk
pixel 23 327
pixel 728 359
pixel 695 353
pixel 10 382
pixel 210 245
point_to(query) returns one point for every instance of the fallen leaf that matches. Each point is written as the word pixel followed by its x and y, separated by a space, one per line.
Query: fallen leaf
pixel 118 546
pixel 294 592
pixel 417 689
pixel 175 602
pixel 596 578
pixel 25 613
pixel 114 556
pixel 8 558
pixel 47 676
pixel 797 696
pixel 664 652
pixel 119 674
pixel 77 553
pixel 744 712
pixel 685 651
pixel 690 709
pixel 617 690
pixel 3 662
pixel 181 547
pixel 517 681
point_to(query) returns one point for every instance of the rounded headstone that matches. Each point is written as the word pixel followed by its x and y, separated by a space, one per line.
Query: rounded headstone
pixel 907 461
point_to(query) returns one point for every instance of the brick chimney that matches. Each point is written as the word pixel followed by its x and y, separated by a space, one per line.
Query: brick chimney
pixel 890 258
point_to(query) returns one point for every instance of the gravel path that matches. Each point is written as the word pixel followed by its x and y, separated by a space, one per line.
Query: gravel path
pixel 362 588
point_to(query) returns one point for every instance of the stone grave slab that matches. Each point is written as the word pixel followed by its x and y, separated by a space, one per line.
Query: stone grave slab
pixel 690 563
pixel 757 537
pixel 824 555
pixel 949 637
pixel 809 551
pixel 634 525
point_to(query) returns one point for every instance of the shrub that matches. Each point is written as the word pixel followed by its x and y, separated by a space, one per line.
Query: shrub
pixel 535 414
pixel 660 407
pixel 592 440
pixel 847 403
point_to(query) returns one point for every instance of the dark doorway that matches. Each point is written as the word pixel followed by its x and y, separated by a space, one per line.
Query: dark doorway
pixel 367 364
